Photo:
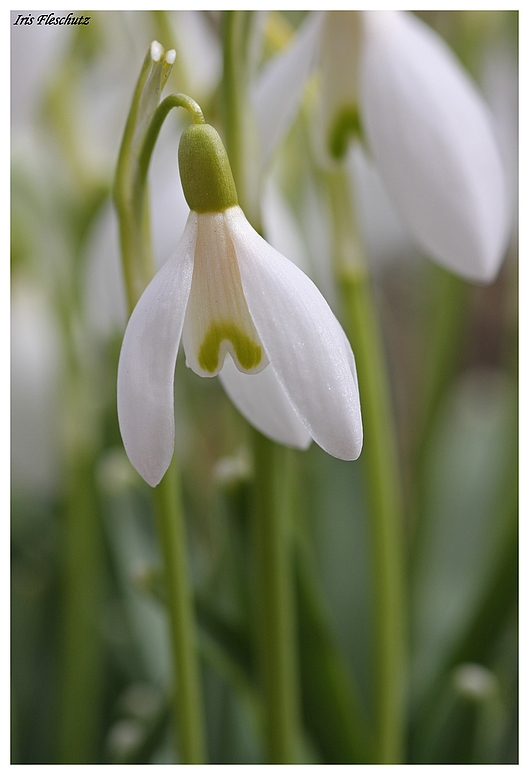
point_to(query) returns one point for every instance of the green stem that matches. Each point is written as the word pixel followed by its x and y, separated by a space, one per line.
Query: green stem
pixel 448 298
pixel 82 646
pixel 138 269
pixel 82 551
pixel 239 132
pixel 274 608
pixel 379 458
pixel 188 700
pixel 233 97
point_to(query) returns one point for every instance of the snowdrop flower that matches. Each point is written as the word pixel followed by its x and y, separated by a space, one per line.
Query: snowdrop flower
pixel 244 312
pixel 428 129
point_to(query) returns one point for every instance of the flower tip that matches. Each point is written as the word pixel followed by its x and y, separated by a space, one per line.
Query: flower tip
pixel 157 51
pixel 151 466
pixel 153 481
pixel 170 57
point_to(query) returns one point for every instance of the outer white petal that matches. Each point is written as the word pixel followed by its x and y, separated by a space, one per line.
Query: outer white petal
pixel 305 344
pixel 263 402
pixel 278 90
pixel 147 363
pixel 431 136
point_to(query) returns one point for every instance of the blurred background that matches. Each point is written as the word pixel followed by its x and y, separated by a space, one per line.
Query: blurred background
pixel 90 660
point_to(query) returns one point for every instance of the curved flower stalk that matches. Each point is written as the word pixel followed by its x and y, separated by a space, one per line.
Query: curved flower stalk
pixel 244 312
pixel 427 127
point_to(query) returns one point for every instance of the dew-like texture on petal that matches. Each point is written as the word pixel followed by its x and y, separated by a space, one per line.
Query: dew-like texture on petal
pixel 147 362
pixel 217 319
pixel 279 87
pixel 432 137
pixel 263 402
pixel 305 344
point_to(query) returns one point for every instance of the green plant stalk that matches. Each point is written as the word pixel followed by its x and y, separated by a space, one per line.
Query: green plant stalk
pixel 239 132
pixel 159 116
pixel 81 679
pixel 188 699
pixel 233 96
pixel 130 196
pixel 274 602
pixel 448 298
pixel 379 459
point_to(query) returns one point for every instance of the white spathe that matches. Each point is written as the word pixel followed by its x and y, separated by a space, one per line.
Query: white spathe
pixel 304 386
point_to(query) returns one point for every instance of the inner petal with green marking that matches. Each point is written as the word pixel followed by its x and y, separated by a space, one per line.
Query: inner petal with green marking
pixel 222 334
pixel 217 319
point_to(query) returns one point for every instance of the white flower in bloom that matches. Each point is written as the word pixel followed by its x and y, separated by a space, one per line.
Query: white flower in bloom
pixel 244 312
pixel 428 129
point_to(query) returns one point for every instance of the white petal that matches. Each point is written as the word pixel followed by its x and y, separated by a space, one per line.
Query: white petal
pixel 306 345
pixel 431 136
pixel 263 402
pixel 278 90
pixel 147 363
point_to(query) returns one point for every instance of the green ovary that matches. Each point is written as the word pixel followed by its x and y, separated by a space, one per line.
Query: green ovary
pixel 249 353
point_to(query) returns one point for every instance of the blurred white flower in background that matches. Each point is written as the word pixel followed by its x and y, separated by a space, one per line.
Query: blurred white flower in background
pixel 386 239
pixel 430 132
pixel 432 138
pixel 499 77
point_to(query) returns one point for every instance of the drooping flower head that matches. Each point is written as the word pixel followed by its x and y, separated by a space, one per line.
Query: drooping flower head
pixel 244 312
pixel 426 126
pixel 431 135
